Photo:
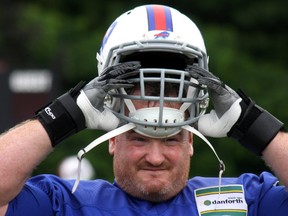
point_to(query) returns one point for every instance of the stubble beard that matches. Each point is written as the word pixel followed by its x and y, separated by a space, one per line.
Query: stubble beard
pixel 153 192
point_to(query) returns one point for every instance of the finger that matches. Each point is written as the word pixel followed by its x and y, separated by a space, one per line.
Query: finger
pixel 114 86
pixel 122 68
pixel 115 83
pixel 198 72
pixel 127 65
pixel 117 73
pixel 215 85
pixel 208 81
pixel 109 87
pixel 134 73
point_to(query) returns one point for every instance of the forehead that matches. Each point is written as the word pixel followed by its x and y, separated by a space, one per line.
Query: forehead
pixel 154 89
pixel 182 135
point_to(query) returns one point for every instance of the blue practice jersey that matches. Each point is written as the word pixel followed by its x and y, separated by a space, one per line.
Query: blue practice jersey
pixel 248 194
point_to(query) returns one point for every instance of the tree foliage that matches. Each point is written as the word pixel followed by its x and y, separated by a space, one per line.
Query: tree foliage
pixel 246 42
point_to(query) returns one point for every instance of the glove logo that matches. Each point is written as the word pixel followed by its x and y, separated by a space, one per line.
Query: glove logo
pixel 49 112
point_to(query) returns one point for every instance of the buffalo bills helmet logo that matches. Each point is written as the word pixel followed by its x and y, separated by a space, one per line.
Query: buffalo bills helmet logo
pixel 163 35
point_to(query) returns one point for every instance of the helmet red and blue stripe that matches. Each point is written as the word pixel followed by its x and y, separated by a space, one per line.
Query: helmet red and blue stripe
pixel 159 18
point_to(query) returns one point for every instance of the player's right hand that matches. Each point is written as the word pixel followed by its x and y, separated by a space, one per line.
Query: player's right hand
pixel 91 98
pixel 83 106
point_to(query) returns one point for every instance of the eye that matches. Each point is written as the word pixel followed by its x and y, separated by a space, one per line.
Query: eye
pixel 137 139
pixel 171 141
pixel 174 140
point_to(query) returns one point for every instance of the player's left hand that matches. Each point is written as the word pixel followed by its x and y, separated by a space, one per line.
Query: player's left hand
pixel 225 100
pixel 235 115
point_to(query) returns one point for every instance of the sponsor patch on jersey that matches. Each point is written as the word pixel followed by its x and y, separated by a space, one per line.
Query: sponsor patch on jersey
pixel 228 200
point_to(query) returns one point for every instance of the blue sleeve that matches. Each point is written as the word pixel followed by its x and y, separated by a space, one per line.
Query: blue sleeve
pixel 274 202
pixel 30 201
pixel 41 195
pixel 265 196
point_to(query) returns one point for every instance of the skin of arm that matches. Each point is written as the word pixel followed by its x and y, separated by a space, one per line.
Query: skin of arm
pixel 22 148
pixel 276 156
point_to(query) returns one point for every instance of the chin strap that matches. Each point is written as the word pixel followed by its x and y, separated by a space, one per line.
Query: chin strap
pixel 221 163
pixel 130 126
pixel 96 142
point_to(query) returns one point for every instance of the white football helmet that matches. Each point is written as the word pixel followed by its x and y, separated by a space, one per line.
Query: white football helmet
pixel 165 42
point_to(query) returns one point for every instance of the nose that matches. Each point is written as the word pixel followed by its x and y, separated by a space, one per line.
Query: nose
pixel 155 153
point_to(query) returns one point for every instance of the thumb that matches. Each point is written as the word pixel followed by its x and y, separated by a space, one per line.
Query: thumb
pixel 212 126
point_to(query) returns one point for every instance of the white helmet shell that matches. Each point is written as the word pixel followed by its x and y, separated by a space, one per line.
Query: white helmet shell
pixel 144 26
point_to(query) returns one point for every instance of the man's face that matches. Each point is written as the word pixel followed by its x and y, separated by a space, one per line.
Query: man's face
pixel 149 168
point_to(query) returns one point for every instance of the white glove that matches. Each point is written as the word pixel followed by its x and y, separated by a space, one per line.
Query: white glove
pixel 213 126
pixel 91 98
pixel 226 103
pixel 235 115
pixel 83 106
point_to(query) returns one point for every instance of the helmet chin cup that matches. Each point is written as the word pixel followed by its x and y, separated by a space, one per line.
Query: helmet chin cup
pixel 156 123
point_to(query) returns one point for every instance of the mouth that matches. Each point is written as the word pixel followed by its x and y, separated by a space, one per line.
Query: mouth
pixel 153 172
pixel 154 169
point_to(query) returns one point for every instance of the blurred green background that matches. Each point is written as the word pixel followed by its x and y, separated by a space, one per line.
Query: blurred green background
pixel 245 39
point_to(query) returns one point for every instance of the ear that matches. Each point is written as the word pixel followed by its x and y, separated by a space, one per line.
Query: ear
pixel 112 145
pixel 191 150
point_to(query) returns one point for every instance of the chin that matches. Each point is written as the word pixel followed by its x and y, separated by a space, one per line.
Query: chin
pixel 157 191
